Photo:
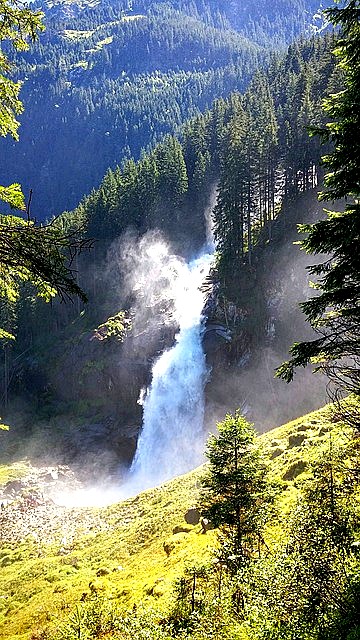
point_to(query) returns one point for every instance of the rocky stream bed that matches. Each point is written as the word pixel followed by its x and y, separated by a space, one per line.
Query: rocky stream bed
pixel 31 507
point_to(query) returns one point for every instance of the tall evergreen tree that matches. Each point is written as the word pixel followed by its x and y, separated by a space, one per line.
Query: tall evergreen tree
pixel 236 490
pixel 229 213
pixel 335 312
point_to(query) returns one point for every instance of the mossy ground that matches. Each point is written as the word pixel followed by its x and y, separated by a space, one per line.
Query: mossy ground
pixel 136 559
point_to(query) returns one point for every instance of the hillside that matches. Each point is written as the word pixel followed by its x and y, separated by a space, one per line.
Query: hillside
pixel 130 507
pixel 130 553
pixel 105 82
pixel 61 375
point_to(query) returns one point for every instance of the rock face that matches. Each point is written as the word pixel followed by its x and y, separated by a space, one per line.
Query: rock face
pixel 97 449
pixel 247 335
pixel 251 324
pixel 216 341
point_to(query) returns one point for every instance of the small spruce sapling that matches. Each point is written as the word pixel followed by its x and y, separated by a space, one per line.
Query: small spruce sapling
pixel 236 491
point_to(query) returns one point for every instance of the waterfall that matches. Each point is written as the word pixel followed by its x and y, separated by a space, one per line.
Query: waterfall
pixel 171 440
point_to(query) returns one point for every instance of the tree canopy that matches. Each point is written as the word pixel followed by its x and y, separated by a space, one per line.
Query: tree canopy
pixel 335 312
pixel 41 255
pixel 107 81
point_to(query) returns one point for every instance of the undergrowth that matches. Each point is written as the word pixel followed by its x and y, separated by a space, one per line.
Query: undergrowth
pixel 135 579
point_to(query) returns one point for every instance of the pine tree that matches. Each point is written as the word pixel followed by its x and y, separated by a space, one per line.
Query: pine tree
pixel 261 150
pixel 229 213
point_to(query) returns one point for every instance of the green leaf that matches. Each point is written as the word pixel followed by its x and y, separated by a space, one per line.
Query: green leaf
pixel 13 196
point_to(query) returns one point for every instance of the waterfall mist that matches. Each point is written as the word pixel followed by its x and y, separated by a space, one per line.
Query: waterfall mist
pixel 167 299
pixel 171 441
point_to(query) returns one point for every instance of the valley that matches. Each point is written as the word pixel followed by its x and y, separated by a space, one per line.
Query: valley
pixel 179 275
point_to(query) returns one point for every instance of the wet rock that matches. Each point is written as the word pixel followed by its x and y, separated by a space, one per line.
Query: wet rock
pixel 216 341
pixel 14 486
pixel 206 525
pixel 218 332
pixel 97 448
pixel 49 477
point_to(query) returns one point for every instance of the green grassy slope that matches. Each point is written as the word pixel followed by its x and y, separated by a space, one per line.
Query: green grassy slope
pixel 132 551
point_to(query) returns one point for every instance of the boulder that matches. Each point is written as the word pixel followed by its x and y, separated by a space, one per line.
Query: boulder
pixel 181 529
pixel 14 486
pixel 192 516
pixel 296 440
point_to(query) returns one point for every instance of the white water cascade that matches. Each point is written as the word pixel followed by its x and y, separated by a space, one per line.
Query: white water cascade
pixel 171 441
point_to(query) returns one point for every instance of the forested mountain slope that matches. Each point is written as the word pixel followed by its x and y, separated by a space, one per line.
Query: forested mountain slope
pixel 108 79
pixel 193 287
pixel 255 149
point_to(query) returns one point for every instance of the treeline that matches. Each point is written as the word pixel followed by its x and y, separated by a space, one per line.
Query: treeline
pixel 255 147
pixel 252 149
pixel 106 82
pixel 276 24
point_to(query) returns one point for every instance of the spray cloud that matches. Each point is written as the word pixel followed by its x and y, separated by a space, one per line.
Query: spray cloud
pixel 171 441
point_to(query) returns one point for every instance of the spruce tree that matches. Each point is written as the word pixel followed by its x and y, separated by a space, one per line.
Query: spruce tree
pixel 335 312
pixel 231 201
pixel 237 493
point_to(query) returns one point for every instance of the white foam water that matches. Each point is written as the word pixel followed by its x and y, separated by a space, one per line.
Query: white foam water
pixel 171 441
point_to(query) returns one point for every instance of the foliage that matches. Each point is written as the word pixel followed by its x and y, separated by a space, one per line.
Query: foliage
pixel 334 313
pixel 237 493
pixel 90 620
pixel 115 327
pixel 45 581
pixel 305 586
pixel 41 255
pixel 190 595
pixel 18 24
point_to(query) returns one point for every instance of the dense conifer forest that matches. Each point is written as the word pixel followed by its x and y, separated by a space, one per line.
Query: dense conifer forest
pixel 214 142
pixel 106 81
pixel 252 147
